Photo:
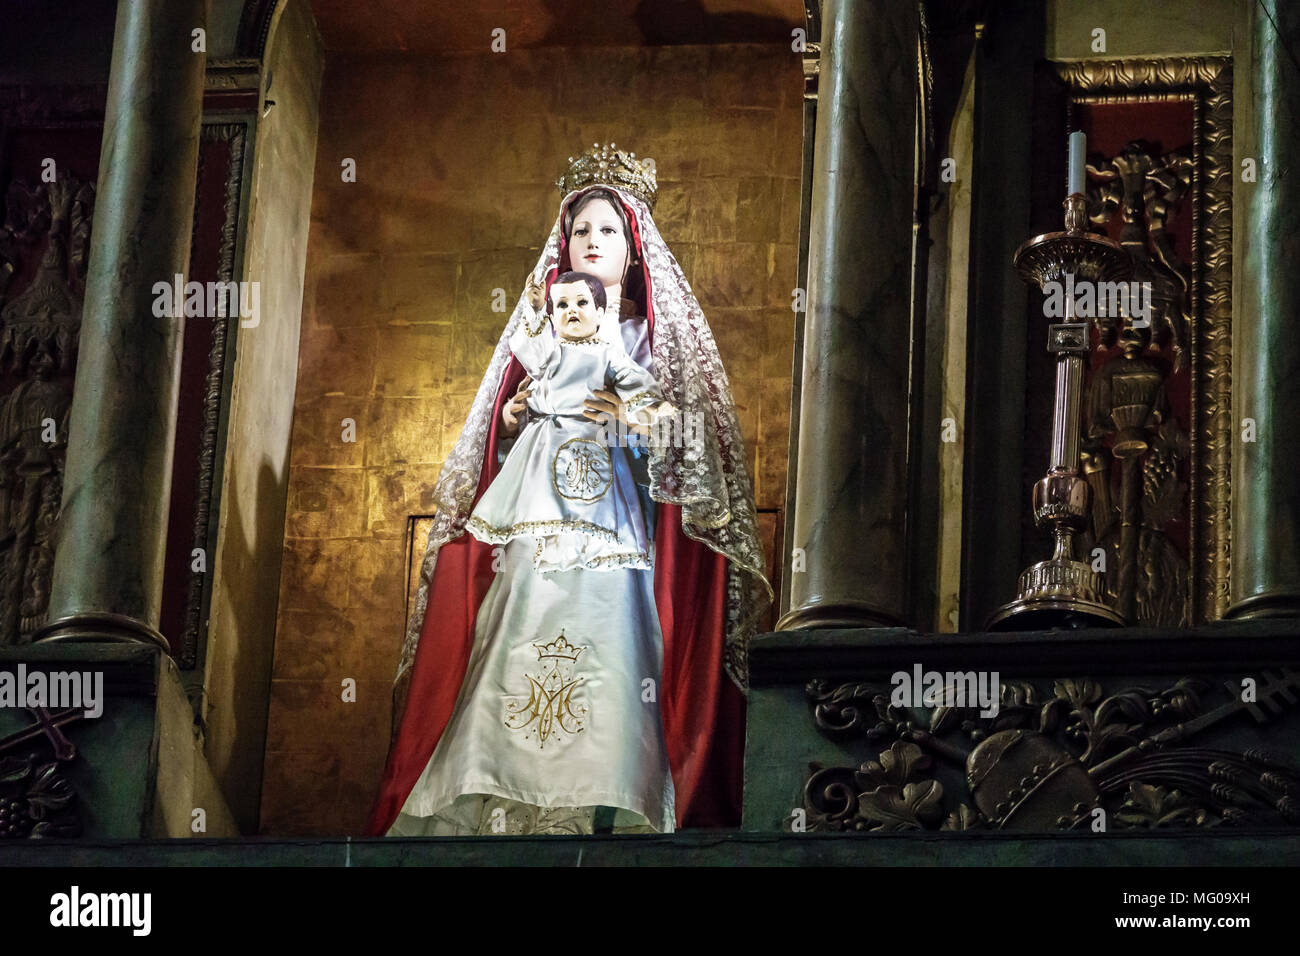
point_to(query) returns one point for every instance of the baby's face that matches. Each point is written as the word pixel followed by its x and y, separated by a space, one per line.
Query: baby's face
pixel 573 310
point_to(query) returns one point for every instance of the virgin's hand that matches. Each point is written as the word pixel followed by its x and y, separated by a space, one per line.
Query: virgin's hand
pixel 512 409
pixel 603 406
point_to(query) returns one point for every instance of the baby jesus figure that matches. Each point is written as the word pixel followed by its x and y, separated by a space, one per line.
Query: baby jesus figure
pixel 562 483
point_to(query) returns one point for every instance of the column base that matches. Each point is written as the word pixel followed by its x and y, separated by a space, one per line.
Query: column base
pixel 109 628
pixel 1282 603
pixel 131 768
pixel 842 614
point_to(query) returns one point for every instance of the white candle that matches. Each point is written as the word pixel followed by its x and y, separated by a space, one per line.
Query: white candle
pixel 1078 153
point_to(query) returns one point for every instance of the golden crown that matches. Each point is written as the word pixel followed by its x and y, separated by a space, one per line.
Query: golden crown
pixel 561 648
pixel 610 166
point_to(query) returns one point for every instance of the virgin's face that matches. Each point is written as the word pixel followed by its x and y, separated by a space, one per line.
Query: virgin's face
pixel 597 245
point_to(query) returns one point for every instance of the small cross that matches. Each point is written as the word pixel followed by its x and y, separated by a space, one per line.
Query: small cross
pixel 48 725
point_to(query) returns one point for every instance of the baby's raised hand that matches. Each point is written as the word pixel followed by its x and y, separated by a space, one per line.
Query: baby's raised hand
pixel 535 293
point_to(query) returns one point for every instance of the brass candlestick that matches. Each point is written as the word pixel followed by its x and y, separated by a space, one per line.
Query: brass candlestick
pixel 1064 591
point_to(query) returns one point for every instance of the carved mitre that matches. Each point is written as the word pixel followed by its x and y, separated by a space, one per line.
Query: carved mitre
pixel 609 166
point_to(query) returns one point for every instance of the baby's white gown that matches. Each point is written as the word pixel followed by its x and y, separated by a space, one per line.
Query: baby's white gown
pixel 562 485
pixel 559 710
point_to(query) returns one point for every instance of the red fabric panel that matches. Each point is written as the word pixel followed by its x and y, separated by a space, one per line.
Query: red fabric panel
pixel 703 712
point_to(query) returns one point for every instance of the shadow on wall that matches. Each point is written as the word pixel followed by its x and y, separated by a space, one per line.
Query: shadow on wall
pixel 246 670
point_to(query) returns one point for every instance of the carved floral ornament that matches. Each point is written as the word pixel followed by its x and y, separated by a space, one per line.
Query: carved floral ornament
pixel 1054 761
pixel 36 798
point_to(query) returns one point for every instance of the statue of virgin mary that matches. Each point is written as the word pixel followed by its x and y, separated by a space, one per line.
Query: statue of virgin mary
pixel 484 745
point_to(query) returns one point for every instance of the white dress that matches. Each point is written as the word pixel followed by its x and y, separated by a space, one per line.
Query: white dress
pixel 562 485
pixel 559 710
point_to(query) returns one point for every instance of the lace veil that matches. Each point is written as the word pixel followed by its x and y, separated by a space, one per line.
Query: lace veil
pixel 706 476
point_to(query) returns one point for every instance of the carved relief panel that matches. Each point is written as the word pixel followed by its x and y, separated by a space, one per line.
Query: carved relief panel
pixel 50 153
pixel 49 224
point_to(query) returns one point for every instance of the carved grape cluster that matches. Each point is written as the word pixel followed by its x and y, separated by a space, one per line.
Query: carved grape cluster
pixel 15 821
pixel 1158 468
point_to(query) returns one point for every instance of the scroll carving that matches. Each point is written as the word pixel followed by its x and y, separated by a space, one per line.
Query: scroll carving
pixel 1055 760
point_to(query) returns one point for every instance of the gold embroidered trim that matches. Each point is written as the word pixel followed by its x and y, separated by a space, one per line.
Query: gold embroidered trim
pixel 623 559
pixel 541 324
pixel 641 558
pixel 640 398
pixel 592 339
pixel 495 535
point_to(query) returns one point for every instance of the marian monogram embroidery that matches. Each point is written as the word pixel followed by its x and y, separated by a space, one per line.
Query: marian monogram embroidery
pixel 550 714
pixel 582 469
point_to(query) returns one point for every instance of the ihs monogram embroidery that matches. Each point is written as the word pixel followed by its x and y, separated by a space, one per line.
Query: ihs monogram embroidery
pixel 550 713
pixel 581 474
pixel 582 469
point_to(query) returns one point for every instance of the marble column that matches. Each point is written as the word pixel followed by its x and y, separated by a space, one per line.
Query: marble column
pixel 1266 356
pixel 848 566
pixel 108 566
